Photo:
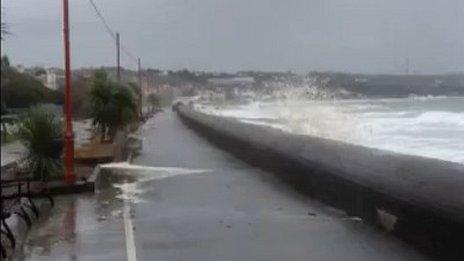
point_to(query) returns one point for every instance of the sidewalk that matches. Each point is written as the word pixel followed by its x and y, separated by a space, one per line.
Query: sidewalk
pixel 184 199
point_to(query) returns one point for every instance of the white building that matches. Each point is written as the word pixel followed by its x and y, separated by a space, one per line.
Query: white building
pixel 52 79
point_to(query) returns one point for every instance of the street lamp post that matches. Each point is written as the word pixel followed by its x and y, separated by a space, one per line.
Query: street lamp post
pixel 68 131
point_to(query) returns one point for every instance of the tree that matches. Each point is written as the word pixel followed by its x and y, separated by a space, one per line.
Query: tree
pixel 100 98
pixel 113 105
pixel 124 105
pixel 5 62
pixel 154 71
pixel 40 71
pixel 137 96
pixel 80 97
pixel 42 134
pixel 19 90
pixel 154 101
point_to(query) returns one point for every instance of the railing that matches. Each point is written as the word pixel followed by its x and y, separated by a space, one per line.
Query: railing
pixel 13 192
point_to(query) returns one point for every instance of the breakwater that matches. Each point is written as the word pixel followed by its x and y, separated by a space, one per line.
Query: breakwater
pixel 419 199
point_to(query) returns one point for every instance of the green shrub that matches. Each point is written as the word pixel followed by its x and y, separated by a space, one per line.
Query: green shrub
pixel 41 132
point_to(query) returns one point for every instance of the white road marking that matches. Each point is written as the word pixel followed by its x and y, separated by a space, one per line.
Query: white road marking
pixel 129 190
pixel 129 233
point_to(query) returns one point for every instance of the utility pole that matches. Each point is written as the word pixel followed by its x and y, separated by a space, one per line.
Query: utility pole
pixel 67 109
pixel 118 58
pixel 140 86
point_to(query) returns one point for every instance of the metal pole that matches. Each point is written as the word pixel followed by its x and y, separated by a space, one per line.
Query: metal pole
pixel 68 131
pixel 118 58
pixel 140 86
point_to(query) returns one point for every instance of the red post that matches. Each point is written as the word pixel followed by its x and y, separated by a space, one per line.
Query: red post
pixel 69 175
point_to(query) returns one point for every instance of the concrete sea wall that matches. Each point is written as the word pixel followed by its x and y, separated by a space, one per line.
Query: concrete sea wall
pixel 419 199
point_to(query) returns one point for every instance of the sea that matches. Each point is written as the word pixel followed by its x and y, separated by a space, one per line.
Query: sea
pixel 424 126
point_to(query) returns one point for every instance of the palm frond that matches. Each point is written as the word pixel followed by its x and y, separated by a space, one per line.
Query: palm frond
pixel 41 134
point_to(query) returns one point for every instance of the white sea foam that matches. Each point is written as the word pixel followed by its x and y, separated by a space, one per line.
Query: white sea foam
pixel 430 126
pixel 441 118
pixel 130 191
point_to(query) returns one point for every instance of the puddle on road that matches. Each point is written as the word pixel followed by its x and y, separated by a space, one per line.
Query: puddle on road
pixel 129 177
pixel 75 217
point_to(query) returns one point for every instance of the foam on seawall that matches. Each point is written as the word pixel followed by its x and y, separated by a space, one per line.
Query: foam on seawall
pixel 424 126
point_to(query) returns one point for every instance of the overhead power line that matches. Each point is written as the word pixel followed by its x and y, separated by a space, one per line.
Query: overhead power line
pixel 111 32
pixel 128 53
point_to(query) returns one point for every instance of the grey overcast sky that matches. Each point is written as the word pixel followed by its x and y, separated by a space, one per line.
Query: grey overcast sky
pixel 371 36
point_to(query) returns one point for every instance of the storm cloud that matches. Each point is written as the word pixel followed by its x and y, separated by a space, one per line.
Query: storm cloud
pixel 371 36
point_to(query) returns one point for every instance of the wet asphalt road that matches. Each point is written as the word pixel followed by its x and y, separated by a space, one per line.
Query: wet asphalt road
pixel 210 207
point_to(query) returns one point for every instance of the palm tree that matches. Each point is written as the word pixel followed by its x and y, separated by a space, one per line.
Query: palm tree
pixel 138 97
pixel 113 105
pixel 125 107
pixel 41 133
pixel 154 100
pixel 101 103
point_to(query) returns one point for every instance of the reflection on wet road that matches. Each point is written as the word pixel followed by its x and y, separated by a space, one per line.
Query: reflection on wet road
pixel 183 199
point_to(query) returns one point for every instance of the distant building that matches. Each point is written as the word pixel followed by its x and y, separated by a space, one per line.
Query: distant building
pixel 20 68
pixel 52 79
pixel 233 81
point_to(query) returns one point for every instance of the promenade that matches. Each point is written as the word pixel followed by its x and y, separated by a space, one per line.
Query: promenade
pixel 184 199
